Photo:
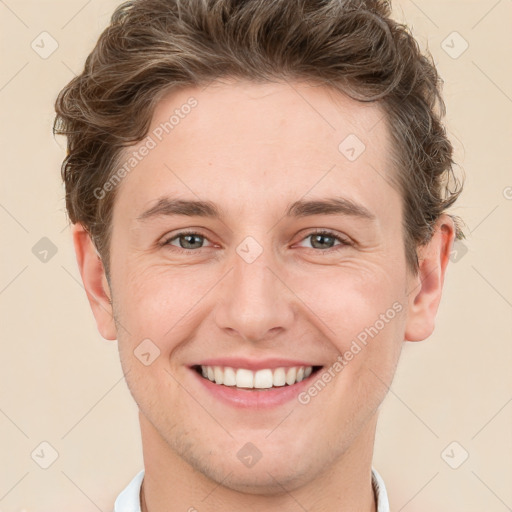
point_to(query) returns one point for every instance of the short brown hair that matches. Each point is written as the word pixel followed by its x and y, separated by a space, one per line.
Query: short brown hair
pixel 353 46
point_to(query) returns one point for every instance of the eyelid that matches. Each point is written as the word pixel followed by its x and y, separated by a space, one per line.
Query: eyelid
pixel 343 239
pixel 169 238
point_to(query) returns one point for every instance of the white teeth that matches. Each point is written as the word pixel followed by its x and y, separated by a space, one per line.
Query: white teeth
pixel 244 378
pixel 290 376
pixel 219 375
pixel 260 379
pixel 229 377
pixel 263 379
pixel 279 377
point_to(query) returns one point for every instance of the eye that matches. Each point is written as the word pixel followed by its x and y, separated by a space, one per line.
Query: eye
pixel 185 241
pixel 326 240
pixel 189 241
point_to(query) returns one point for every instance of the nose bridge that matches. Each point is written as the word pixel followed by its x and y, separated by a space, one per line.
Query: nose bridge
pixel 254 303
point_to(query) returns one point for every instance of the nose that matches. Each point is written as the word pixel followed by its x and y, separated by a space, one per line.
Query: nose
pixel 253 303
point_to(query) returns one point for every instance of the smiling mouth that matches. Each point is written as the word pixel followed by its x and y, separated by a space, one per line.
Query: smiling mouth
pixel 267 378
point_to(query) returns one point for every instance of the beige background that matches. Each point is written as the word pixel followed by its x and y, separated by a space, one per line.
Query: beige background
pixel 62 383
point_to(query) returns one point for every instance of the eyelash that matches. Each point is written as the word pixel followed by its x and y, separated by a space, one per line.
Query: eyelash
pixel 343 241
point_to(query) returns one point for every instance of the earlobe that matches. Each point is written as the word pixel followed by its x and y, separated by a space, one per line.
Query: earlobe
pixel 426 288
pixel 95 281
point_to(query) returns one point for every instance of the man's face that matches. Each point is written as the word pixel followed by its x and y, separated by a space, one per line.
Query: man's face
pixel 255 288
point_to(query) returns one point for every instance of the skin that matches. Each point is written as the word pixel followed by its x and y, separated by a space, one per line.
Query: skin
pixel 253 149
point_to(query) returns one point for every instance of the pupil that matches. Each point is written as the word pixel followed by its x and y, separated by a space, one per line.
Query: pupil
pixel 188 239
pixel 322 238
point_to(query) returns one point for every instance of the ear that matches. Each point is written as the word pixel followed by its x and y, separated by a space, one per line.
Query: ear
pixel 425 288
pixel 95 281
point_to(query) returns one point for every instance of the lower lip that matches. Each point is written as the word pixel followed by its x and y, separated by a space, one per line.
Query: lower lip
pixel 254 398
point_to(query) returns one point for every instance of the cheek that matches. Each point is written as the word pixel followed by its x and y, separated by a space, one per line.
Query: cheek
pixel 353 303
pixel 343 302
pixel 154 302
pixel 365 315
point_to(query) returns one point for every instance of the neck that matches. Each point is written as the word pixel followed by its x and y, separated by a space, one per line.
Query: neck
pixel 170 484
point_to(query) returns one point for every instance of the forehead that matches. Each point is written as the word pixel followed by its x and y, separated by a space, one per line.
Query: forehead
pixel 291 113
pixel 241 140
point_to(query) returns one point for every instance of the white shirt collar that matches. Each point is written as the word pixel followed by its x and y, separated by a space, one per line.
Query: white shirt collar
pixel 129 499
pixel 380 492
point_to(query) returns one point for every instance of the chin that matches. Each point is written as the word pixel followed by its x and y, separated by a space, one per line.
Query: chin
pixel 276 469
pixel 269 479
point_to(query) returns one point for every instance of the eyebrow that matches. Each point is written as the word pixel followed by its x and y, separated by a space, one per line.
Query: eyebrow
pixel 329 206
pixel 167 207
pixel 302 208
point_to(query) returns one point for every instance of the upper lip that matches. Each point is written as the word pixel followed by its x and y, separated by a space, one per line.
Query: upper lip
pixel 253 364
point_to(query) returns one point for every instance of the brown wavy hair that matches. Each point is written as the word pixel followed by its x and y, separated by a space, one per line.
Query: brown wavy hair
pixel 353 46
